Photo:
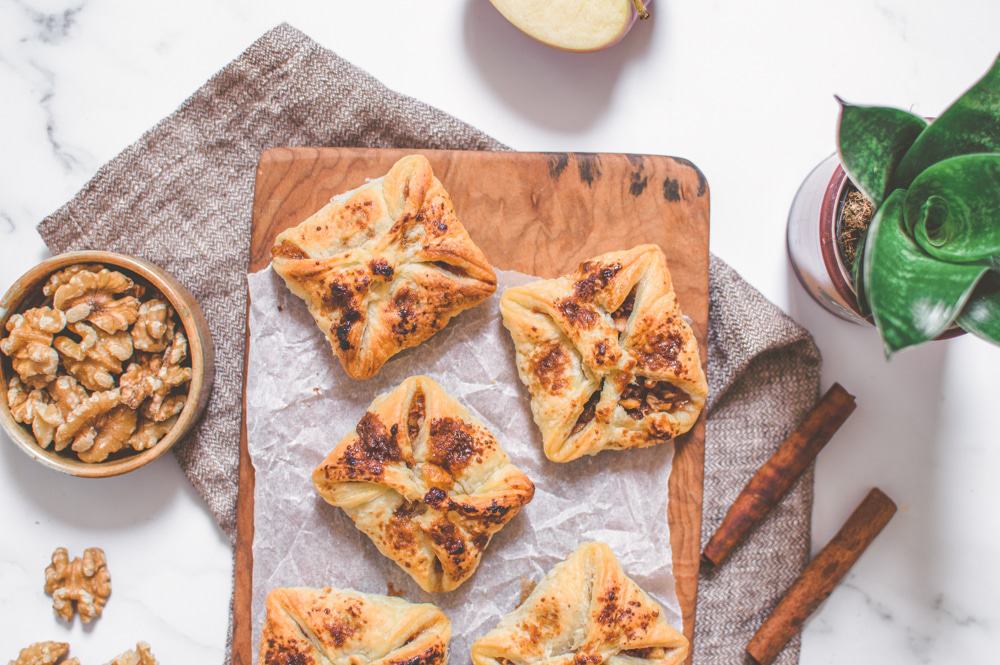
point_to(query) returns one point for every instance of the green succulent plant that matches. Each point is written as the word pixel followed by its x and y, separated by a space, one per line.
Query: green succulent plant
pixel 931 256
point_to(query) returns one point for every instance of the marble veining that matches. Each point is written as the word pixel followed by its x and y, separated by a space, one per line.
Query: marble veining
pixel 51 28
pixel 880 610
pixel 62 154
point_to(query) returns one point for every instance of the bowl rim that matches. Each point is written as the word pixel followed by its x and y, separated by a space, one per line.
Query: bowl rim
pixel 200 350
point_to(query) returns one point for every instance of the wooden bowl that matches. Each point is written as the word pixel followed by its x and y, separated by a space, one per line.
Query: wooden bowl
pixel 27 292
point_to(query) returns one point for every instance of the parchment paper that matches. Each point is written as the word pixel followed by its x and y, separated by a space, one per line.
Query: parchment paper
pixel 300 403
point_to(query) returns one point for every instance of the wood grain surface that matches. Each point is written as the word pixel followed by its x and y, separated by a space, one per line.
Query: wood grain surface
pixel 540 213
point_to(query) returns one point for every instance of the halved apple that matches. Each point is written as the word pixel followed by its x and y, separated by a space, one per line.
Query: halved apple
pixel 574 25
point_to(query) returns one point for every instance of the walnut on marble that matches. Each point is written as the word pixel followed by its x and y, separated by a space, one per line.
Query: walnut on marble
pixel 99 367
pixel 141 655
pixel 45 653
pixel 78 586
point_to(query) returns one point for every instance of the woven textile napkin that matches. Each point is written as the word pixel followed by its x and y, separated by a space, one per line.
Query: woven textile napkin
pixel 181 197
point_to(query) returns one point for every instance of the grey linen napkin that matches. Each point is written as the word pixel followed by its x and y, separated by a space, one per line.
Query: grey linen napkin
pixel 181 196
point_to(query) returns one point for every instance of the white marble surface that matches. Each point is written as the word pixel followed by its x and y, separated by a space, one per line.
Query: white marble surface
pixel 743 89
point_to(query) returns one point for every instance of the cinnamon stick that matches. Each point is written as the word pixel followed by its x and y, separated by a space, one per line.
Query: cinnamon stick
pixel 821 576
pixel 773 480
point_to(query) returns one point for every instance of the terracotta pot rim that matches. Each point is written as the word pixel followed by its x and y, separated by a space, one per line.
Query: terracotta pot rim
pixel 201 351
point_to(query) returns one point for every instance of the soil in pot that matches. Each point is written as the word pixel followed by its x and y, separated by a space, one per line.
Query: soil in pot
pixel 853 219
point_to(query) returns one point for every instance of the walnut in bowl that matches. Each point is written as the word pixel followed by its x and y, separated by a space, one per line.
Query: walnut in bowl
pixel 105 362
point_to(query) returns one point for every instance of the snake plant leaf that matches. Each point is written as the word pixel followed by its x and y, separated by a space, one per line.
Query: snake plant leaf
pixel 981 315
pixel 872 140
pixel 913 296
pixel 952 209
pixel 970 125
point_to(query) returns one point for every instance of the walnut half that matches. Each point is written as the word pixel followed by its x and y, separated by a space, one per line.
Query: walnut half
pixel 29 344
pixel 81 585
pixel 102 297
pixel 141 655
pixel 97 358
pixel 34 408
pixel 45 653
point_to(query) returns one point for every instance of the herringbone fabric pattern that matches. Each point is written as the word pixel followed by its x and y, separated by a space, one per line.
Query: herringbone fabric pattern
pixel 181 196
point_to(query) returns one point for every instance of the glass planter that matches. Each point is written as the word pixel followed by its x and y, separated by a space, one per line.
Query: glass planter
pixel 812 240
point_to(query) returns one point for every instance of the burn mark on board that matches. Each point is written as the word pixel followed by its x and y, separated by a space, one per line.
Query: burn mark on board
pixel 702 181
pixel 638 183
pixel 671 190
pixel 557 164
pixel 589 166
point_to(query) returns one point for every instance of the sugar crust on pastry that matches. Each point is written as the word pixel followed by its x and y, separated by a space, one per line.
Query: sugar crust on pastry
pixel 306 625
pixel 606 354
pixel 385 266
pixel 426 481
pixel 585 611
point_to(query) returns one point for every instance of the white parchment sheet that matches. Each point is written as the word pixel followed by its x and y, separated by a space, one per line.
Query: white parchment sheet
pixel 300 403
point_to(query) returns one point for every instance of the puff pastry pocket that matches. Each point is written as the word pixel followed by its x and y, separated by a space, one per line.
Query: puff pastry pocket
pixel 306 625
pixel 606 354
pixel 426 481
pixel 586 610
pixel 383 267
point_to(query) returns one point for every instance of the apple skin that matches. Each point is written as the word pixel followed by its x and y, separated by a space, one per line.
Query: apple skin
pixel 543 29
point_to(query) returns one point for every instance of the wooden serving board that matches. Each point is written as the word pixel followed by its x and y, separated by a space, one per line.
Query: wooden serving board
pixel 533 212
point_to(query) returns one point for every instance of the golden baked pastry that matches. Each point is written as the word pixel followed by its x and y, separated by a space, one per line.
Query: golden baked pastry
pixel 384 266
pixel 426 481
pixel 585 611
pixel 606 354
pixel 306 625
